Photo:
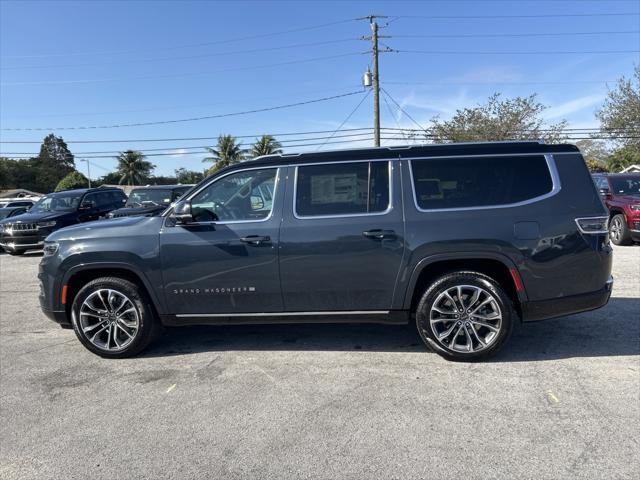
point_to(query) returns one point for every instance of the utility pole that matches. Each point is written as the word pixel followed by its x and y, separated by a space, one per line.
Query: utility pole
pixel 88 170
pixel 376 86
pixel 376 74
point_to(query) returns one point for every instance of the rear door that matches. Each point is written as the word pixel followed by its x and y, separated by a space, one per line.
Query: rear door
pixel 341 243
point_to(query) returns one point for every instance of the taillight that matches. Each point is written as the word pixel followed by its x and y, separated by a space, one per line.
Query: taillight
pixel 593 225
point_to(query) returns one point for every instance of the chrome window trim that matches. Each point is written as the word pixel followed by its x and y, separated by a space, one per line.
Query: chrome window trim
pixel 230 222
pixel 555 184
pixel 286 314
pixel 345 215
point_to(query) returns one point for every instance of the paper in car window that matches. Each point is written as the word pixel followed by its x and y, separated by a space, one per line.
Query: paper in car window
pixel 334 188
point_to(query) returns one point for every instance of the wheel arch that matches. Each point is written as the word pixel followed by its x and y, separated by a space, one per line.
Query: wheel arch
pixel 80 275
pixel 496 266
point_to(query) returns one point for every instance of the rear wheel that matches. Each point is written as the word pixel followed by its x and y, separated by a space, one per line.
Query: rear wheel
pixel 113 318
pixel 618 231
pixel 465 316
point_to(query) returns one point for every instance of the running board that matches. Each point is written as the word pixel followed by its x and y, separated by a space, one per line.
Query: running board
pixel 347 316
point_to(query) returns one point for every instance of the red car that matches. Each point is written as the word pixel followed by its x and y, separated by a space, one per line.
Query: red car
pixel 621 194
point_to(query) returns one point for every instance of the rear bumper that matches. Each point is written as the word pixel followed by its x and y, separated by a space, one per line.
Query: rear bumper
pixel 558 307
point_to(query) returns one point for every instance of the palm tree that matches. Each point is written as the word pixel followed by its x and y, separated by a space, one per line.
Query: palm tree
pixel 227 152
pixel 133 168
pixel 265 145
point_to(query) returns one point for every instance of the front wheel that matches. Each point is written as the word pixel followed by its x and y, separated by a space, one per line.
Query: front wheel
pixel 113 318
pixel 618 231
pixel 465 316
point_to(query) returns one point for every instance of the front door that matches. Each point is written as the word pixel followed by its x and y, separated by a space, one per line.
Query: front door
pixel 226 261
pixel 342 237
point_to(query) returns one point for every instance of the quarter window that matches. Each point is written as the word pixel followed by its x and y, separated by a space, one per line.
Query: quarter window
pixel 342 189
pixel 236 197
pixel 480 181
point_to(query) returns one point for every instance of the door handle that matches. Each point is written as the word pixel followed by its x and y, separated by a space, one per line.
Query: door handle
pixel 255 239
pixel 379 234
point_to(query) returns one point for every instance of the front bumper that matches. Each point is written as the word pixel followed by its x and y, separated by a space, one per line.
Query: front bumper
pixel 559 307
pixel 14 241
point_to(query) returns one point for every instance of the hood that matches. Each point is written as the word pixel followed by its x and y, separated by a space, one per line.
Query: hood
pixel 113 227
pixel 629 198
pixel 35 217
pixel 131 211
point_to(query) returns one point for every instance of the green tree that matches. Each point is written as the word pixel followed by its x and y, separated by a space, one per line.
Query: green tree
pixel 595 154
pixel 73 180
pixel 265 145
pixel 596 167
pixel 133 168
pixel 52 164
pixel 624 157
pixel 188 176
pixel 226 152
pixel 620 114
pixel 517 118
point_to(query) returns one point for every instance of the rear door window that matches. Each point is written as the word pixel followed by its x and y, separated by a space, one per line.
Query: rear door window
pixel 342 189
pixel 460 182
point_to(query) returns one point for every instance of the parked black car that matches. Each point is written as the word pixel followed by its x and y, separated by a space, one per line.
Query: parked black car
pixel 465 240
pixel 149 201
pixel 54 211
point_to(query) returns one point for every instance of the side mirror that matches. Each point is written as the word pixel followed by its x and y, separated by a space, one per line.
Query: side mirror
pixel 182 213
pixel 605 193
pixel 87 205
pixel 257 203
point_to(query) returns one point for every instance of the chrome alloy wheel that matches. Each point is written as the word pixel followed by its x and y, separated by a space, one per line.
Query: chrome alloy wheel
pixel 615 230
pixel 465 318
pixel 109 319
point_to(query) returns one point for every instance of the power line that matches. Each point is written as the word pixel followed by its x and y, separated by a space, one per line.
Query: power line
pixel 402 110
pixel 571 82
pixel 515 52
pixel 180 107
pixel 188 57
pixel 536 34
pixel 551 15
pixel 193 119
pixel 314 132
pixel 187 74
pixel 346 119
pixel 176 47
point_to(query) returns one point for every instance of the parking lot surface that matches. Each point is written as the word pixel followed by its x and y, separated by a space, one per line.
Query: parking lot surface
pixel 562 400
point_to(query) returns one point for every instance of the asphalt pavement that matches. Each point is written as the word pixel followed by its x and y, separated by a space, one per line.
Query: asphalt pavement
pixel 562 400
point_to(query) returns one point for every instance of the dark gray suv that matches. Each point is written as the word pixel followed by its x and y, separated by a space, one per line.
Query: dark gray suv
pixel 462 239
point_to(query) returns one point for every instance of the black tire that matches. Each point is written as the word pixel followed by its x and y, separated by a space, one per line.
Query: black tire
pixel 16 253
pixel 148 324
pixel 469 281
pixel 618 231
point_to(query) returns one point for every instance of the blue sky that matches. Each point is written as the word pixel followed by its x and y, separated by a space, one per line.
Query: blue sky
pixel 92 63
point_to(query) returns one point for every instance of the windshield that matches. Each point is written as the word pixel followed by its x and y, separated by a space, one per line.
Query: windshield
pixel 4 213
pixel 626 185
pixel 60 202
pixel 149 198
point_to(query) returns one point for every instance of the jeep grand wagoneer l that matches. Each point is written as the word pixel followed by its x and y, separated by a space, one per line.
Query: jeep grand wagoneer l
pixel 462 239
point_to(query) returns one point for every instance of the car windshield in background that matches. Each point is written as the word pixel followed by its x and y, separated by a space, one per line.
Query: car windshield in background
pixel 149 198
pixel 58 203
pixel 626 185
pixel 5 212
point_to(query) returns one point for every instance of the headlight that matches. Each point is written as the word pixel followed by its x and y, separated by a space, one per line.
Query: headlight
pixel 50 248
pixel 51 223
pixel 635 208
